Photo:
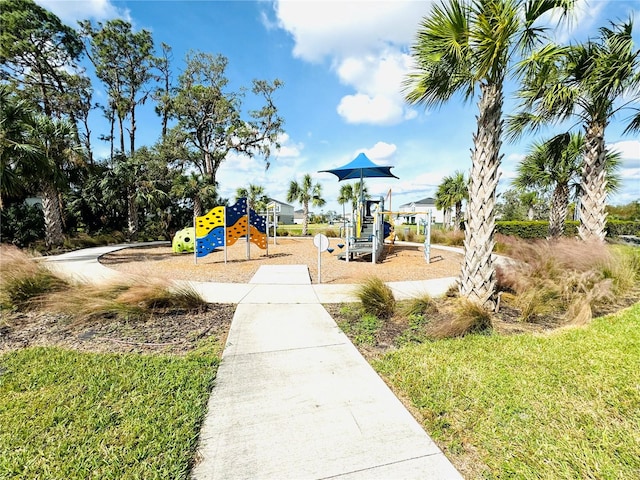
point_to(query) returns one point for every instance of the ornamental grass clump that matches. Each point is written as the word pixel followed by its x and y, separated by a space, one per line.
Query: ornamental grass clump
pixel 447 237
pixel 465 318
pixel 134 300
pixel 376 298
pixel 23 280
pixel 564 279
pixel 422 305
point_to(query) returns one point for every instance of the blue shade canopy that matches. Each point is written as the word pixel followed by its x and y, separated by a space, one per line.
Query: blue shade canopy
pixel 359 168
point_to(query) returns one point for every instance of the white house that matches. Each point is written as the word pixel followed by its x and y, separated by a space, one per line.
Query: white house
pixel 417 212
pixel 284 212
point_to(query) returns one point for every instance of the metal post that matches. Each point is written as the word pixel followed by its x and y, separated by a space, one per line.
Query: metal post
pixel 248 230
pixel 319 257
pixel 427 239
pixel 374 239
pixel 195 242
pixel 347 242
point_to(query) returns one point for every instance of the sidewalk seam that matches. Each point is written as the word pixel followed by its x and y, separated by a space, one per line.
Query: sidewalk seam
pixel 287 349
pixel 380 465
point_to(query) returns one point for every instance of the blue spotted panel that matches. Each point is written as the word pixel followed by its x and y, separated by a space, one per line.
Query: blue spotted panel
pixel 258 221
pixel 213 240
pixel 236 211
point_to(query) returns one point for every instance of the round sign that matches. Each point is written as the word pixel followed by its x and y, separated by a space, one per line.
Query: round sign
pixel 321 241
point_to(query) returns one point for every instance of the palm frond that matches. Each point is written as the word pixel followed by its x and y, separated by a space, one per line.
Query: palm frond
pixel 634 123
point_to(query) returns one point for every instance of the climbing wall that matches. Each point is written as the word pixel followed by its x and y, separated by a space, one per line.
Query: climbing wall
pixel 210 228
pixel 210 231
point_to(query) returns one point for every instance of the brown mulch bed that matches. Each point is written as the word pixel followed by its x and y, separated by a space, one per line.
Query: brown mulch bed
pixel 170 332
pixel 402 262
pixel 177 332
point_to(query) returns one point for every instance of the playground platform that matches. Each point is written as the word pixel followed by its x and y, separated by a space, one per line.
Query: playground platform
pixel 294 399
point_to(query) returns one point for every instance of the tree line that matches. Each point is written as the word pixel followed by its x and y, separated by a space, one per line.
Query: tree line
pixel 46 144
pixel 461 48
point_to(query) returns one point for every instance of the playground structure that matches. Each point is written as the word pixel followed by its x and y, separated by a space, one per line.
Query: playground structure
pixel 367 232
pixel 184 241
pixel 222 226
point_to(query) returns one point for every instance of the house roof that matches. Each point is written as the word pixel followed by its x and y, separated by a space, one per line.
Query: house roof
pixel 428 201
pixel 279 202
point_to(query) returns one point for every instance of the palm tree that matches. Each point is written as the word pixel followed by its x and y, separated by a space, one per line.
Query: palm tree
pixel 256 199
pixel 16 119
pixel 530 199
pixel 460 47
pixel 195 187
pixel 592 82
pixel 553 165
pixel 451 192
pixel 359 191
pixel 556 165
pixel 55 140
pixel 305 192
pixel 345 196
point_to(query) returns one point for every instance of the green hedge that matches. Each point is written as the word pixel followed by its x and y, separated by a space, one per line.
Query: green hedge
pixel 540 229
pixel 622 227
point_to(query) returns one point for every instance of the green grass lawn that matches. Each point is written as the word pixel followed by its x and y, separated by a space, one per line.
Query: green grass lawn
pixel 563 406
pixel 70 415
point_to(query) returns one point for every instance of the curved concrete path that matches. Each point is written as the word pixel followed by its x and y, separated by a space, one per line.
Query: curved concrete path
pixel 294 399
pixel 84 265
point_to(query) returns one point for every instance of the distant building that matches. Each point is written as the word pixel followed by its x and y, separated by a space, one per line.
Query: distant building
pixel 284 212
pixel 298 216
pixel 416 212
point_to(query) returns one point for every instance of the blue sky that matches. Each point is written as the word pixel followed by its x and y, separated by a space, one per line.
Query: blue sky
pixel 342 63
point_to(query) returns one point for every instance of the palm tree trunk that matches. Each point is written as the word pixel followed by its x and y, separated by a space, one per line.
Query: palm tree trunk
pixel 197 207
pixel 132 215
pixel 559 209
pixel 447 218
pixel 593 198
pixel 305 218
pixel 121 129
pixel 52 216
pixel 478 274
pixel 456 225
pixel 132 132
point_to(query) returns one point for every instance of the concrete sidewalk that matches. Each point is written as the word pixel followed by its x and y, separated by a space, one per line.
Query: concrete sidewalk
pixel 294 399
pixel 84 265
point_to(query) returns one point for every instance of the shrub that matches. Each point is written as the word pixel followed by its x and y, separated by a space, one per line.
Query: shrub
pixel 22 224
pixel 330 232
pixel 533 229
pixel 376 298
pixel 619 227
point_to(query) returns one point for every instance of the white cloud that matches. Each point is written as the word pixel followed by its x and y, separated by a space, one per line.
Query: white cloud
pixel 580 21
pixel 377 79
pixel 343 28
pixel 365 43
pixel 71 11
pixel 630 190
pixel 629 150
pixel 380 151
pixel 288 149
